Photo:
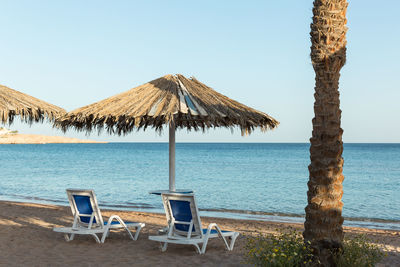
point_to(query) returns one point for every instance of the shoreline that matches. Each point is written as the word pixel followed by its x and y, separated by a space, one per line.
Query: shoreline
pixel 279 217
pixel 25 225
pixel 17 138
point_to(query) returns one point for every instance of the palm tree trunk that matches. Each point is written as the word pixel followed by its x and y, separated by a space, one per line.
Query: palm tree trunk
pixel 323 225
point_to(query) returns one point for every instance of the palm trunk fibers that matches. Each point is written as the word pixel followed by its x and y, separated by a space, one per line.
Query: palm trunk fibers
pixel 323 225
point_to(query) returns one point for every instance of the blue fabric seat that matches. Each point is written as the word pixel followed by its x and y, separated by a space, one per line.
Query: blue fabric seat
pixel 213 231
pixel 117 222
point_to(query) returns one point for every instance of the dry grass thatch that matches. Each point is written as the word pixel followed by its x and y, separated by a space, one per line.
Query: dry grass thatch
pixel 30 109
pixel 187 102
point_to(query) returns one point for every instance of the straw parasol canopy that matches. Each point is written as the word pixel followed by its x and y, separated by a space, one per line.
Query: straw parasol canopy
pixel 187 103
pixel 172 100
pixel 30 109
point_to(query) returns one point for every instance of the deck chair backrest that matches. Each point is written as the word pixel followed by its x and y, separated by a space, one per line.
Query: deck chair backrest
pixel 85 208
pixel 182 208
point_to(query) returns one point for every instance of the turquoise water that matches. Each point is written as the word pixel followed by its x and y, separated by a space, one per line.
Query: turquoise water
pixel 263 181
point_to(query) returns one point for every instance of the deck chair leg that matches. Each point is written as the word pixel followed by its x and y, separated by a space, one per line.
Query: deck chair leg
pixel 198 250
pixel 203 248
pixel 137 232
pixel 223 239
pixel 164 246
pixel 96 238
pixel 69 238
pixel 233 239
pixel 130 233
pixel 105 234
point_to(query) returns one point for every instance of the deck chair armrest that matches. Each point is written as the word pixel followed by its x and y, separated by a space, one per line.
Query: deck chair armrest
pixel 180 222
pixel 75 223
pixel 115 217
pixel 172 225
pixel 91 221
pixel 211 226
pixel 219 231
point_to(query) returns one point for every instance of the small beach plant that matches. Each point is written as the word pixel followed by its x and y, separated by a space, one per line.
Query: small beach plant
pixel 284 249
pixel 289 249
pixel 358 251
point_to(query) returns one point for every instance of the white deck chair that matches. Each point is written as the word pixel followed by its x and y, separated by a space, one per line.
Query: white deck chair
pixel 88 219
pixel 184 224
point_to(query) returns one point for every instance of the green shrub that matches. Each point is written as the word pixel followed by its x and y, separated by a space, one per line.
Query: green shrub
pixel 284 249
pixel 358 252
pixel 289 249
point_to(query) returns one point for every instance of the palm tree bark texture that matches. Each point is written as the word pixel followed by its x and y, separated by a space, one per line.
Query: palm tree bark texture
pixel 323 224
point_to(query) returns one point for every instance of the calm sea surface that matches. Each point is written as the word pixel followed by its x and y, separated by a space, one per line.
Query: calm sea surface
pixel 262 181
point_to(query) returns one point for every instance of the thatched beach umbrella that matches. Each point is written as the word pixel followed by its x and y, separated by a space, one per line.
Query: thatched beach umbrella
pixel 172 100
pixel 14 103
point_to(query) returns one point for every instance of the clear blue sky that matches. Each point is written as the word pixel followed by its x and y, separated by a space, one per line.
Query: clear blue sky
pixel 73 53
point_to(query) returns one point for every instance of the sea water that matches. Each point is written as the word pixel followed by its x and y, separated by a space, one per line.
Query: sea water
pixel 266 181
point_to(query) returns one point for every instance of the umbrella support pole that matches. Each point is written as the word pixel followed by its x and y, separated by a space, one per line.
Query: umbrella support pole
pixel 172 156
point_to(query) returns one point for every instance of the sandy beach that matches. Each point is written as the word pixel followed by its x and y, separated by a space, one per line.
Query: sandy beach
pixel 40 139
pixel 27 239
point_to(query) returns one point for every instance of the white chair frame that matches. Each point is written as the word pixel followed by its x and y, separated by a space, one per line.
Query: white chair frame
pixel 191 237
pixel 96 224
